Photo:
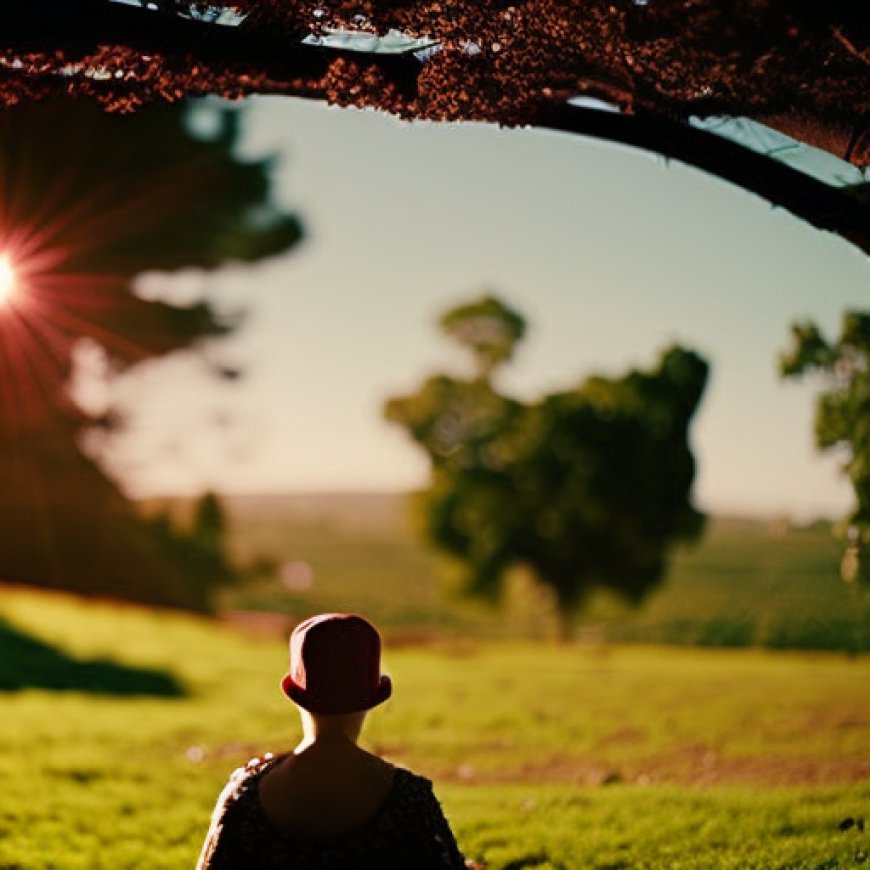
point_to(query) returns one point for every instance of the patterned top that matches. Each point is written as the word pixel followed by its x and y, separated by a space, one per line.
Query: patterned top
pixel 408 832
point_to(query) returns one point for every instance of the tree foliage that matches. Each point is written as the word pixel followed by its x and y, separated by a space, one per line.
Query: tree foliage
pixel 589 487
pixel 89 202
pixel 488 328
pixel 842 421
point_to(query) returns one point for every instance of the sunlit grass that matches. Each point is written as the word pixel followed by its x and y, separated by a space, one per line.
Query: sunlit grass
pixel 542 756
pixel 662 827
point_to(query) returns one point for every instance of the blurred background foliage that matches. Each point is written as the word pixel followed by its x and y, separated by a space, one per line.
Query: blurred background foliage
pixel 842 422
pixel 81 218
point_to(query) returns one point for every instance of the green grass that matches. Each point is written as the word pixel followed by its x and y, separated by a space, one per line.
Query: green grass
pixel 364 555
pixel 558 827
pixel 543 756
pixel 747 583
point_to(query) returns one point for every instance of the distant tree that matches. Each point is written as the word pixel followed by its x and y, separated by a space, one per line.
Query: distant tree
pixel 198 547
pixel 588 488
pixel 842 420
pixel 209 538
pixel 210 523
pixel 89 202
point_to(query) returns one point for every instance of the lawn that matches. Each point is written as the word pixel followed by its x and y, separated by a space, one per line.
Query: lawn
pixel 587 756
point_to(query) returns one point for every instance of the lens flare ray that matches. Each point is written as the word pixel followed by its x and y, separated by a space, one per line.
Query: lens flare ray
pixel 7 279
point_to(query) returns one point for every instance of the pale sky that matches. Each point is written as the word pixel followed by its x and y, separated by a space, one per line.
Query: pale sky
pixel 611 253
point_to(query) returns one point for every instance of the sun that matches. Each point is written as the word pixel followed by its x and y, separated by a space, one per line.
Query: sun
pixel 7 279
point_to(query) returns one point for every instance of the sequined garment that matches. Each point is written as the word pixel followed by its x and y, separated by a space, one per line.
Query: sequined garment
pixel 408 831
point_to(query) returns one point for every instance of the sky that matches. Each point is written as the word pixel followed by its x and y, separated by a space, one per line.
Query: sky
pixel 609 252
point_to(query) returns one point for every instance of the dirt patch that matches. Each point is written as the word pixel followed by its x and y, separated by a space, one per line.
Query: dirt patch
pixel 690 766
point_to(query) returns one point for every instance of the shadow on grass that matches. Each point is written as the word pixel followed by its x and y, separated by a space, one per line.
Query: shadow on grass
pixel 29 663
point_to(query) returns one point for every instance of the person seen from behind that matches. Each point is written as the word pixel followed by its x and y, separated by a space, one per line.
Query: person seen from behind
pixel 330 804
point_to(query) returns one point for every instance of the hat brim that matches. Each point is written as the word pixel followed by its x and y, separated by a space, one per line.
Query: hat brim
pixel 307 701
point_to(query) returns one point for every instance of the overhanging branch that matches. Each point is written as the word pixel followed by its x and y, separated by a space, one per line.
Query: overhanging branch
pixel 800 69
pixel 836 210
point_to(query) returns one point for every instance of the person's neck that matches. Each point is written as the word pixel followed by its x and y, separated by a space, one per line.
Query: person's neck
pixel 329 731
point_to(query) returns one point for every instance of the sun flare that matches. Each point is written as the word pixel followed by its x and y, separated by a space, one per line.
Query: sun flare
pixel 7 279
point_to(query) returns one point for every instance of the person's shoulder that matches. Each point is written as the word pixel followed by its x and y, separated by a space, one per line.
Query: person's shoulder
pixel 242 777
pixel 258 764
pixel 252 767
pixel 409 782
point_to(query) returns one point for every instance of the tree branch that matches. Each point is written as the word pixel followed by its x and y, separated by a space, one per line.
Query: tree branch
pixel 835 210
pixel 800 69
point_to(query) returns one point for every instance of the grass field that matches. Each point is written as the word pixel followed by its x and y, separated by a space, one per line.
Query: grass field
pixel 592 756
pixel 747 583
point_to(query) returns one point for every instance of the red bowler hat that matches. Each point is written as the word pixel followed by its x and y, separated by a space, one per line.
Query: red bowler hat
pixel 335 665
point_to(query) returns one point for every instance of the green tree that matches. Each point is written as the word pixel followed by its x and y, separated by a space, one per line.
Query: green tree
pixel 208 542
pixel 842 421
pixel 199 548
pixel 588 488
pixel 89 202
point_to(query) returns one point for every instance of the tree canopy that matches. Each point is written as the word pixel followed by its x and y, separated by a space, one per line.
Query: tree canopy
pixel 89 202
pixel 589 488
